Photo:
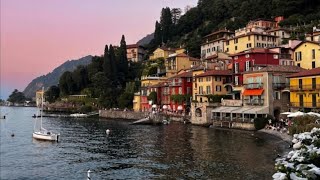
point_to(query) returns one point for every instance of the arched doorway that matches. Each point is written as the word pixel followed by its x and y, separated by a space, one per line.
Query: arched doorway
pixel 198 112
pixel 276 113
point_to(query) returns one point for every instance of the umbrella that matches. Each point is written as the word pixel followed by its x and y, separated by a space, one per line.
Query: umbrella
pixel 286 113
pixel 313 114
pixel 296 114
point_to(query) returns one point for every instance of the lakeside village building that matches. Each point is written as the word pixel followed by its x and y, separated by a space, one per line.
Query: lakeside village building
pixel 257 69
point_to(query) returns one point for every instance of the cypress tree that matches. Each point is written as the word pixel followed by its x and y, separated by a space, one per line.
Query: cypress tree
pixel 107 63
pixel 113 63
pixel 123 60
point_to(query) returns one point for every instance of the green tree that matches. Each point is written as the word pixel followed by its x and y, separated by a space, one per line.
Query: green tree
pixel 52 94
pixel 16 97
pixel 66 84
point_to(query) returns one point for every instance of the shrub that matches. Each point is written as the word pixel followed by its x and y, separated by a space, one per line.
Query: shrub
pixel 85 109
pixel 303 124
pixel 261 122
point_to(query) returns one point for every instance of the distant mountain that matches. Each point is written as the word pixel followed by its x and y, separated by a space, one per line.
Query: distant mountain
pixel 52 78
pixel 146 40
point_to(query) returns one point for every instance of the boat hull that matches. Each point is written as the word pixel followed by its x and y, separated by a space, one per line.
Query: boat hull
pixel 45 137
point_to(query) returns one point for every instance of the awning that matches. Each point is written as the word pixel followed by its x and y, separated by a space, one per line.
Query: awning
pixel 258 110
pixel 218 109
pixel 252 92
pixel 229 109
pixel 243 109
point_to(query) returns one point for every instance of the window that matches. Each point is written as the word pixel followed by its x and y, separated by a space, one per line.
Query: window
pixel 248 38
pixel 314 85
pixel 227 50
pixel 227 42
pixel 236 57
pixel 298 56
pixel 208 89
pixel 236 80
pixel 200 90
pixel 235 41
pixel 173 91
pixel 247 65
pixel 180 90
pixel 282 34
pixel 236 48
pixel 313 54
pixel 277 95
pixel 301 100
pixel 208 79
pixel 180 80
pixel 236 67
pixel 247 55
pixel 218 78
pixel 314 100
pixel 313 64
pixel 218 88
pixel 300 83
pixel 188 90
pixel 298 64
pixel 258 37
pixel 275 56
pixel 218 48
pixel 188 79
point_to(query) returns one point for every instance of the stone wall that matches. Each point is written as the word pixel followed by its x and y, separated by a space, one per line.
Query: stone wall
pixel 234 125
pixel 122 114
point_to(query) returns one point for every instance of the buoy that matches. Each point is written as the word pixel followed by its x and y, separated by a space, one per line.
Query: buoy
pixel 107 131
pixel 88 174
pixel 12 135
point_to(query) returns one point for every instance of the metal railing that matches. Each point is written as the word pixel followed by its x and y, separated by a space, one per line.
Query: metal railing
pixel 285 56
pixel 305 104
pixel 175 83
pixel 305 87
pixel 258 102
pixel 253 85
pixel 280 85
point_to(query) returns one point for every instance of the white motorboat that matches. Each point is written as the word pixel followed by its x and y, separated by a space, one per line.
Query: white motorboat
pixel 42 133
pixel 78 115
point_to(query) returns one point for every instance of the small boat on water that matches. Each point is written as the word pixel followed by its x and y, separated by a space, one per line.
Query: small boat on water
pixel 42 133
pixel 78 115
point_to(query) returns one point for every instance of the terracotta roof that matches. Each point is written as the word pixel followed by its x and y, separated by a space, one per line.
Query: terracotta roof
pixel 313 42
pixel 277 68
pixel 250 33
pixel 216 73
pixel 183 75
pixel 311 72
pixel 278 28
pixel 255 51
pixel 212 57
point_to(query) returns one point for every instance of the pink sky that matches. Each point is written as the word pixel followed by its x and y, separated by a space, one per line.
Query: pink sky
pixel 39 35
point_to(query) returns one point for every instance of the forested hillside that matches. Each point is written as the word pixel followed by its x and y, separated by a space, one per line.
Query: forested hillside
pixel 52 78
pixel 211 15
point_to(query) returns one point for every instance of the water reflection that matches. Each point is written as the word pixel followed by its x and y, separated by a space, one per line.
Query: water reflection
pixel 175 151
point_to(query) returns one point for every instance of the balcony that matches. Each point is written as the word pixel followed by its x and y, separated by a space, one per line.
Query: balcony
pixel 279 86
pixel 305 104
pixel 175 84
pixel 231 102
pixel 254 102
pixel 285 56
pixel 309 87
pixel 253 86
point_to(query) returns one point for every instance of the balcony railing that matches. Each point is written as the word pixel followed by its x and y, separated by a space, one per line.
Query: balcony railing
pixel 175 84
pixel 253 85
pixel 227 81
pixel 231 102
pixel 305 104
pixel 285 56
pixel 305 87
pixel 258 102
pixel 280 85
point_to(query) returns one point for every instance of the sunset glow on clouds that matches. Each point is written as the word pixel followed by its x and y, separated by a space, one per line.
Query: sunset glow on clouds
pixel 39 35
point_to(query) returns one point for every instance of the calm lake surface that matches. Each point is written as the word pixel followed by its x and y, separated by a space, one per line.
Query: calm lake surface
pixel 174 151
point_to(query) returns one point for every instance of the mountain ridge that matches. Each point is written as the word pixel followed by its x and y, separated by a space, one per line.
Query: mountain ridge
pixel 52 78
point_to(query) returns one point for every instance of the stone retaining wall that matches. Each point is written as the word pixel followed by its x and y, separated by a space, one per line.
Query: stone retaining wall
pixel 234 125
pixel 122 114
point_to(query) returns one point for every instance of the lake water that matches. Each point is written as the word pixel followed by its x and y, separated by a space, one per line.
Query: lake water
pixel 174 151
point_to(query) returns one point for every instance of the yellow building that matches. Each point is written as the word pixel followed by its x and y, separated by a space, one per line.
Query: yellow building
pixel 211 83
pixel 177 62
pixel 39 94
pixel 249 40
pixel 137 102
pixel 162 52
pixel 307 55
pixel 305 90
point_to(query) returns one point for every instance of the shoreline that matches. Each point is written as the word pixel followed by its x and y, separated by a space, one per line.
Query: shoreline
pixel 283 136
